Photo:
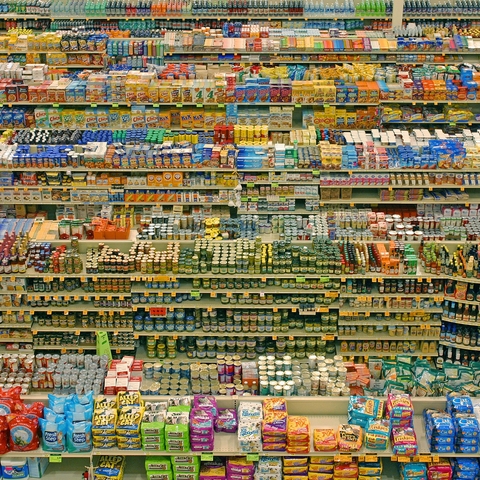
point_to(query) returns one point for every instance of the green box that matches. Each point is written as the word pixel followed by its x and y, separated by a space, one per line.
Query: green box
pixel 158 464
pixel 153 439
pixel 185 460
pixel 156 475
pixel 190 468
pixel 186 476
pixel 153 428
pixel 154 447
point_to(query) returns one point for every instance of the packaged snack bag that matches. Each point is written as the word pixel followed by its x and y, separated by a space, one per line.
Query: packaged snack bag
pixel 349 438
pixel 53 435
pixel 23 432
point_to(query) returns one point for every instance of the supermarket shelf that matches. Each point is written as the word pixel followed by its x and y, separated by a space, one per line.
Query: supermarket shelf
pixel 201 333
pixel 280 61
pixel 39 328
pixel 369 296
pixel 287 197
pixel 209 303
pixel 227 444
pixel 459 345
pixel 76 307
pixel 417 353
pixel 71 294
pixel 443 122
pixel 137 170
pixel 66 468
pixel 16 340
pixel 75 65
pixel 139 276
pixel 385 322
pixel 11 350
pixel 460 322
pixel 205 51
pixel 297 211
pixel 245 170
pixel 141 354
pixel 15 325
pixel 402 187
pixel 373 198
pixel 314 181
pixel 434 17
pixel 97 52
pixel 386 336
pixel 271 290
pixel 181 104
pixel 429 102
pixel 23 52
pixel 463 302
pixel 197 16
pixel 87 346
pixel 414 312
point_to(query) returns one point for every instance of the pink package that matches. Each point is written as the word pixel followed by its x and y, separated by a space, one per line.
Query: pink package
pixel 399 406
pixel 236 476
pixel 207 403
pixel 201 422
pixel 240 465
pixel 275 423
pixel 226 421
pixel 404 441
pixel 201 438
pixel 202 447
pixel 440 471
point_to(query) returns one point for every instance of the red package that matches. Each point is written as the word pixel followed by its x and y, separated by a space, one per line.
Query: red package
pixel 23 432
pixel 35 408
pixel 10 401
pixel 4 435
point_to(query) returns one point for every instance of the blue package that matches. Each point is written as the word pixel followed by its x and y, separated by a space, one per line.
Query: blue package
pixel 466 425
pixel 460 404
pixel 53 435
pixel 57 404
pixel 448 448
pixel 466 449
pixel 79 437
pixel 466 441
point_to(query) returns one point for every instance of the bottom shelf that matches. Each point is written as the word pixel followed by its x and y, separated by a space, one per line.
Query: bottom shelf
pixel 135 469
pixel 71 468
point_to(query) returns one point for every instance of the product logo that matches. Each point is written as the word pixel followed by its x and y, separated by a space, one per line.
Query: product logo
pixel 50 437
pixel 79 438
pixel 21 436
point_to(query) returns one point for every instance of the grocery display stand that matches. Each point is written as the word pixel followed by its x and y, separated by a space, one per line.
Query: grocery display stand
pixel 321 411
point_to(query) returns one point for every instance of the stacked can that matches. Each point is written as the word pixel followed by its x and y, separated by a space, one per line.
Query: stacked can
pixel 166 378
pixel 69 373
pixel 229 369
pixel 205 379
pixel 16 369
pixel 328 376
pixel 276 376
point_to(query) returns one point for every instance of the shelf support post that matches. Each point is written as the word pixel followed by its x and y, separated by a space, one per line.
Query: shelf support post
pixel 397 13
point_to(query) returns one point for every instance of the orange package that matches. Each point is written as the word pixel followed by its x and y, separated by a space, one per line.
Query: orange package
pixel 298 428
pixel 324 440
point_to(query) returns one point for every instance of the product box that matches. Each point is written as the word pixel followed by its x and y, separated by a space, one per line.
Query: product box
pixel 37 466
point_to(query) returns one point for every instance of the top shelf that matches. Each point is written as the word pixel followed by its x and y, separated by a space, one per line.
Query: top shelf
pixel 196 16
